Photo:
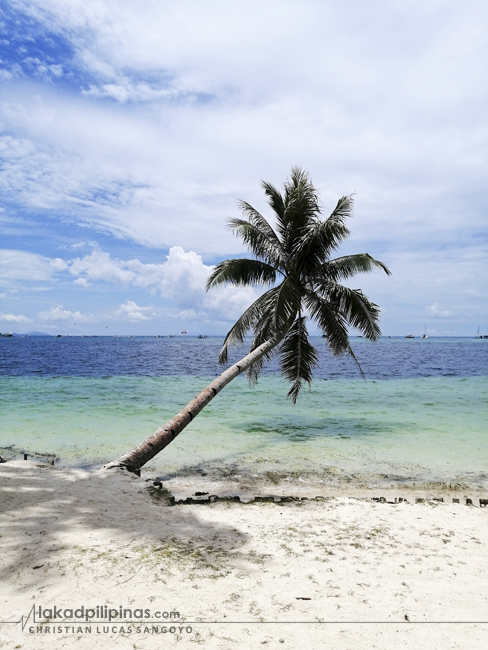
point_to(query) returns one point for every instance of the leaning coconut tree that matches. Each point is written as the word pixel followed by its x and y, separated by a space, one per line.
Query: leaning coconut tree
pixel 292 260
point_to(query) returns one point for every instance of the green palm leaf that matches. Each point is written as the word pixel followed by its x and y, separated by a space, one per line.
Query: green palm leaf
pixel 333 325
pixel 342 268
pixel 330 321
pixel 258 242
pixel 359 312
pixel 277 204
pixel 242 272
pixel 264 330
pixel 302 208
pixel 245 324
pixel 287 305
pixel 316 243
pixel 257 220
pixel 297 357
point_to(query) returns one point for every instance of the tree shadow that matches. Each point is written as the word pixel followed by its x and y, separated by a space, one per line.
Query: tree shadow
pixel 47 514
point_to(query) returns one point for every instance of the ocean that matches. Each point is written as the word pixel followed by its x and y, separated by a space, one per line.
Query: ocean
pixel 419 417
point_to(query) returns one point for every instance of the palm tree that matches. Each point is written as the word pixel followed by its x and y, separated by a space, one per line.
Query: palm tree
pixel 293 260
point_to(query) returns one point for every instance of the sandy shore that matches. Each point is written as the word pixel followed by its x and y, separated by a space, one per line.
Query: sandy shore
pixel 345 572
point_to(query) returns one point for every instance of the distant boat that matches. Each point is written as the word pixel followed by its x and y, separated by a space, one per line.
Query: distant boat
pixel 478 335
pixel 202 336
pixel 410 336
pixel 424 335
pixel 6 334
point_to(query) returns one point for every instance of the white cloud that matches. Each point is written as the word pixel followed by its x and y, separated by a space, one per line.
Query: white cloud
pixel 82 282
pixel 182 273
pixel 434 311
pixel 176 110
pixel 395 113
pixel 58 264
pixel 59 313
pixel 82 244
pixel 180 279
pixel 125 91
pixel 99 266
pixel 11 318
pixel 18 265
pixel 132 312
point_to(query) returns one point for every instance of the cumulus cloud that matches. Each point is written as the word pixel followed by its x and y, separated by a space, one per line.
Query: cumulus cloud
pixel 132 312
pixel 11 318
pixel 18 265
pixel 180 279
pixel 183 274
pixel 99 266
pixel 59 313
pixel 82 282
pixel 435 311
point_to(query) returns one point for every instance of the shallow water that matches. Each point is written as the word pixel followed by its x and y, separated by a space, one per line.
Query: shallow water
pixel 420 417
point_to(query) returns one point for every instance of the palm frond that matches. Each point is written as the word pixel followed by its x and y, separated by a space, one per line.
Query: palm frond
pixel 252 373
pixel 350 350
pixel 357 310
pixel 277 204
pixel 314 246
pixel 302 209
pixel 244 324
pixel 333 325
pixel 257 241
pixel 242 272
pixel 297 357
pixel 263 331
pixel 288 301
pixel 343 209
pixel 257 220
pixel 330 321
pixel 342 268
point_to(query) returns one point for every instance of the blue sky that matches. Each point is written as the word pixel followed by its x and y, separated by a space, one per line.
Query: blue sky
pixel 128 132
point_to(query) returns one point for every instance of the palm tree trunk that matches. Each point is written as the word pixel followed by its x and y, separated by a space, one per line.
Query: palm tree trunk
pixel 161 438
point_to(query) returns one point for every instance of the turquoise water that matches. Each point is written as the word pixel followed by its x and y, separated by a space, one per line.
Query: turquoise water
pixel 398 430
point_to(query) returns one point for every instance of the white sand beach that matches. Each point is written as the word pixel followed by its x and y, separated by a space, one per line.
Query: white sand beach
pixel 345 572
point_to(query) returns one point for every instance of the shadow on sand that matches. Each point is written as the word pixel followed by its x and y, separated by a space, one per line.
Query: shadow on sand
pixel 49 516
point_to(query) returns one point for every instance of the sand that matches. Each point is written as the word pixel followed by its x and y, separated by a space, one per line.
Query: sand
pixel 344 572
